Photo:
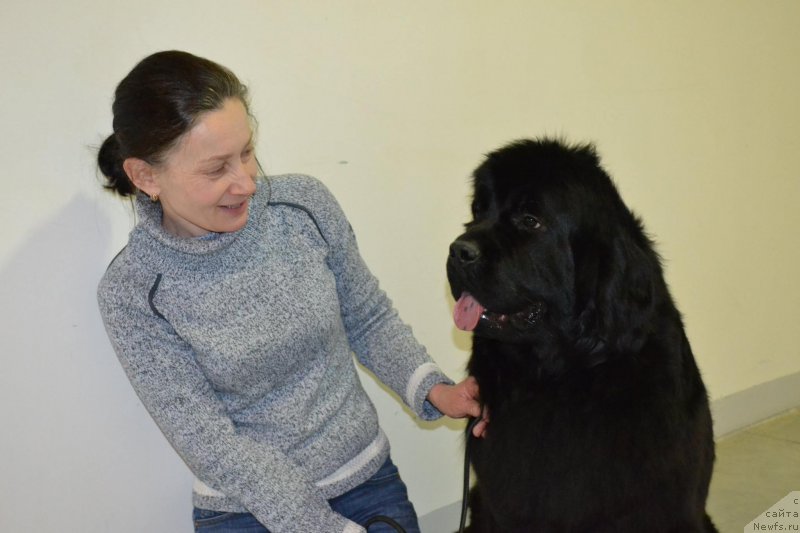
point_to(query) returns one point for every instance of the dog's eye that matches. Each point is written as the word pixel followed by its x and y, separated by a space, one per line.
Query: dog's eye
pixel 529 221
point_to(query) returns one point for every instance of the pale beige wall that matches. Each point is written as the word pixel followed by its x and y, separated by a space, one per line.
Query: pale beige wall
pixel 693 106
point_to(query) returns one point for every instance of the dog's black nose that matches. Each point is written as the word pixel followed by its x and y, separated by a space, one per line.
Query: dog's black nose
pixel 464 251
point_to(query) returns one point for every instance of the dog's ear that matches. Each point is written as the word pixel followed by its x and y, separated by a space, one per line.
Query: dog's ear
pixel 618 276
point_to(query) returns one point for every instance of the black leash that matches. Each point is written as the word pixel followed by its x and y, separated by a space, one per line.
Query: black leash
pixel 386 520
pixel 465 494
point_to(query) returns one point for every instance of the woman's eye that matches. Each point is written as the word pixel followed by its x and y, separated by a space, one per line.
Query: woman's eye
pixel 217 171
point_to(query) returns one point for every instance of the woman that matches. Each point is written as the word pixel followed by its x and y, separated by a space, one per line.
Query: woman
pixel 234 310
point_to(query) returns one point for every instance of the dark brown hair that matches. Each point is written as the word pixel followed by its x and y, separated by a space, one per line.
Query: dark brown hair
pixel 156 103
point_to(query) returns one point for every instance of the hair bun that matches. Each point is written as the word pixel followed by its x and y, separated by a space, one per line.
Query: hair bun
pixel 110 160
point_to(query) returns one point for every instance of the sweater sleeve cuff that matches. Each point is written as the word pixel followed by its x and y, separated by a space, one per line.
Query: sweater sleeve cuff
pixel 422 381
pixel 352 527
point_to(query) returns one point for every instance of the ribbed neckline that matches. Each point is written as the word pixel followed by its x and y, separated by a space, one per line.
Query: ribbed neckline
pixel 150 214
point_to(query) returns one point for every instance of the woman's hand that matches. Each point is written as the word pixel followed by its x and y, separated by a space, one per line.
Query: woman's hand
pixel 459 401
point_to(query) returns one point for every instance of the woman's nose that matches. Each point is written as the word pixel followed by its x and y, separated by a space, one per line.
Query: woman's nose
pixel 243 181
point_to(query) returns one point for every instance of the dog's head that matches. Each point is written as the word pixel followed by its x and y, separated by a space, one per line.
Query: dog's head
pixel 552 250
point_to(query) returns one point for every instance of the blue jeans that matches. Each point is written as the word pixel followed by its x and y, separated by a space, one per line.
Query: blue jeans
pixel 383 494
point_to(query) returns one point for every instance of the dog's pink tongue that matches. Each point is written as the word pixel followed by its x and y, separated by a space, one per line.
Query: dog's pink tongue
pixel 467 312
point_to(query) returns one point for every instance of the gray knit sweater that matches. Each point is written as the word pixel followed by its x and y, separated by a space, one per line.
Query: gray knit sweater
pixel 240 347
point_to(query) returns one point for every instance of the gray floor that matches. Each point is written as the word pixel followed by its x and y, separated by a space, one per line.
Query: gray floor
pixel 755 469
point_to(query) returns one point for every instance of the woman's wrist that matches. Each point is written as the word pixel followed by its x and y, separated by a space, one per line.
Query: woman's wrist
pixel 435 395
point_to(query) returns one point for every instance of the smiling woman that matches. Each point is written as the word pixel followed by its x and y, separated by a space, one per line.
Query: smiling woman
pixel 236 307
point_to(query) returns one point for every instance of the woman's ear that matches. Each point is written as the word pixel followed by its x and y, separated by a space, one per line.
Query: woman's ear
pixel 142 175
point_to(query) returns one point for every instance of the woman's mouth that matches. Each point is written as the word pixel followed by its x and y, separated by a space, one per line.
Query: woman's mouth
pixel 235 207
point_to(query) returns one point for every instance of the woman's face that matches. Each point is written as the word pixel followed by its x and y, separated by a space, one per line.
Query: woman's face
pixel 206 180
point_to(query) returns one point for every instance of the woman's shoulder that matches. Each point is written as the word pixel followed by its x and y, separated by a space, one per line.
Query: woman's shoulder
pixel 309 194
pixel 296 187
pixel 124 277
pixel 114 279
pixel 302 190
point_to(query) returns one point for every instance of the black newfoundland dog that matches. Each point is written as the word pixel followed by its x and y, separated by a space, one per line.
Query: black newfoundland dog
pixel 599 418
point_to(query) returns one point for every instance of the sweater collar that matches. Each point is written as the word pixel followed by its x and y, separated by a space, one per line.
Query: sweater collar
pixel 150 214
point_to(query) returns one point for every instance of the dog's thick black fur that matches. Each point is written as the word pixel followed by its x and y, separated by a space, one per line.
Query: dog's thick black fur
pixel 599 418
